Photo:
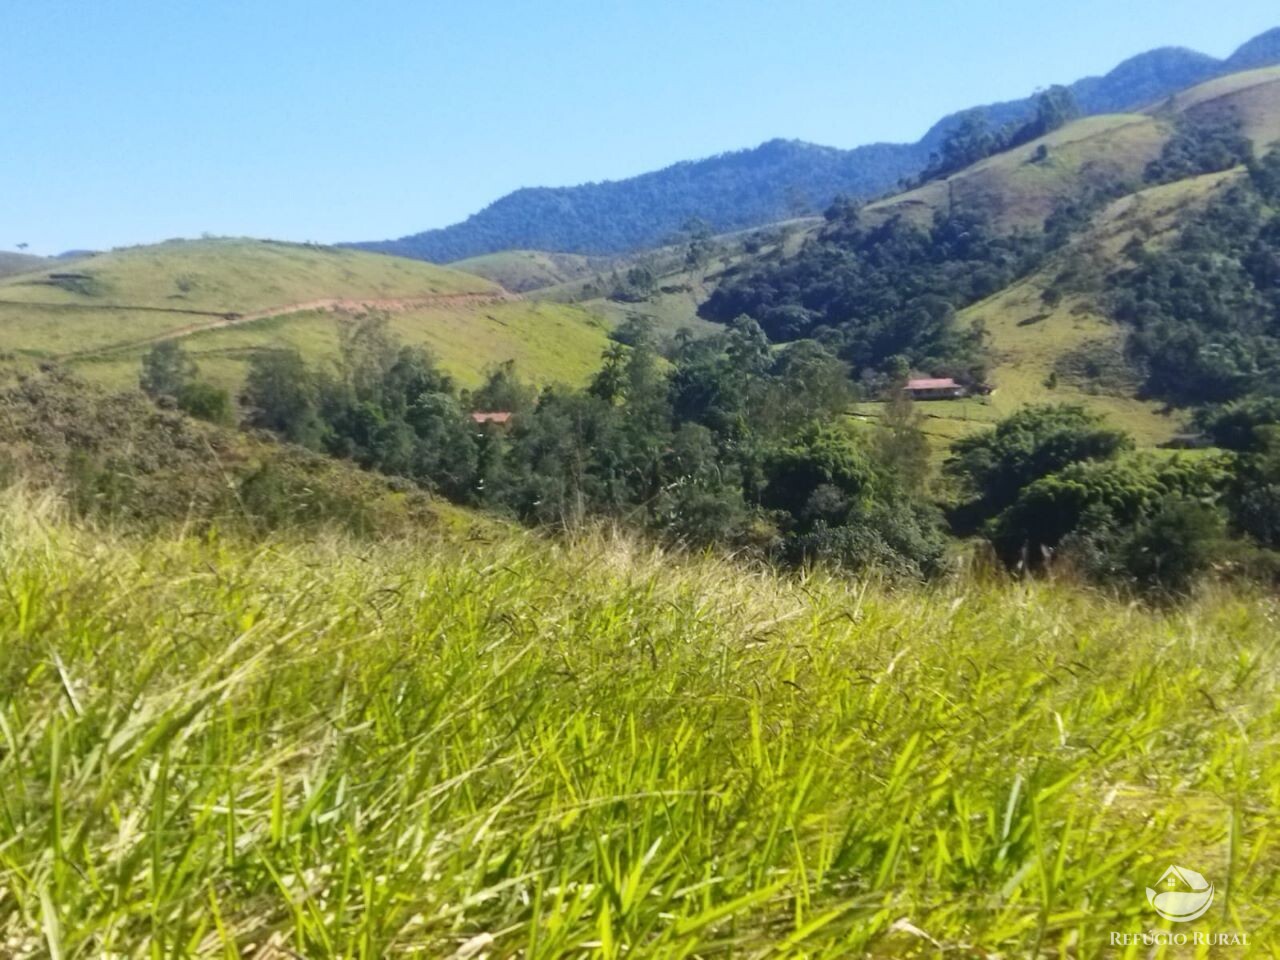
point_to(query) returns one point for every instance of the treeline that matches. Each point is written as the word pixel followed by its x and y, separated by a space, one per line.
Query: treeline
pixel 1204 312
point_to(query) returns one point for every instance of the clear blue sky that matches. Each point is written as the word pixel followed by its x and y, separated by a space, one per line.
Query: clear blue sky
pixel 128 121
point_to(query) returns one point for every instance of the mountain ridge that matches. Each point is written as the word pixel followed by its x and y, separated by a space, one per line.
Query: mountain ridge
pixel 777 179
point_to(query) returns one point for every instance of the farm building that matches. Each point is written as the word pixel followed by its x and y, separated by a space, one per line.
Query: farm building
pixel 934 389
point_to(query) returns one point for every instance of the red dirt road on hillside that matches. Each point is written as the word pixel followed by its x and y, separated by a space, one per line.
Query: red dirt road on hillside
pixel 217 320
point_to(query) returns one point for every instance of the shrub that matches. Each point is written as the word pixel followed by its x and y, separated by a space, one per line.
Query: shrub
pixel 204 401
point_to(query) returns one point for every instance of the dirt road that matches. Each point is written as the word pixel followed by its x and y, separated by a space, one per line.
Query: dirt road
pixel 214 320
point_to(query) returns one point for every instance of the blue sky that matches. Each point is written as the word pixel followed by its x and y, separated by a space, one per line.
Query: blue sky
pixel 129 121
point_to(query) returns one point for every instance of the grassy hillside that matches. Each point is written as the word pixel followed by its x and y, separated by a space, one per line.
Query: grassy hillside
pixel 118 459
pixel 1071 351
pixel 1017 191
pixel 233 276
pixel 228 298
pixel 1252 96
pixel 523 270
pixel 549 342
pixel 11 263
pixel 680 289
pixel 462 749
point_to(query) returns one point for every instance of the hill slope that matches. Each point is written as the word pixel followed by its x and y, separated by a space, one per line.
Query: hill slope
pixel 230 298
pixel 1049 331
pixel 11 263
pixel 521 271
pixel 1073 344
pixel 777 179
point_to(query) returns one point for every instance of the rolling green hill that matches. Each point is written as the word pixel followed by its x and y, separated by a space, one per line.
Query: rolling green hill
pixel 1074 339
pixel 1019 191
pixel 230 298
pixel 11 263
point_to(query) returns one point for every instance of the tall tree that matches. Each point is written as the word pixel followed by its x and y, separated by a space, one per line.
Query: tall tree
pixel 166 370
pixel 280 395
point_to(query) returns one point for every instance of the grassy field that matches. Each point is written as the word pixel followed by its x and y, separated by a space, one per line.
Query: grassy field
pixel 11 263
pixel 549 343
pixel 668 312
pixel 447 748
pixel 1251 95
pixel 234 275
pixel 100 314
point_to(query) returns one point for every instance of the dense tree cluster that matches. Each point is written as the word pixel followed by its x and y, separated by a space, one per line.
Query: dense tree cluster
pixel 1055 482
pixel 732 442
pixel 728 442
pixel 1250 429
pixel 884 291
pixel 1201 143
pixel 1204 313
pixel 995 467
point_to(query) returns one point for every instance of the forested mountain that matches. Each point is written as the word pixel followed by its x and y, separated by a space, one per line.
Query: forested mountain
pixel 778 179
pixel 744 188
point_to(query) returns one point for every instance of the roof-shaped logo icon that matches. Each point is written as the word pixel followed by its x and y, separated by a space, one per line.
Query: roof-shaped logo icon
pixel 1181 895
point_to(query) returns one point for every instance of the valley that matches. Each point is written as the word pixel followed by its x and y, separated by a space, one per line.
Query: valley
pixel 794 554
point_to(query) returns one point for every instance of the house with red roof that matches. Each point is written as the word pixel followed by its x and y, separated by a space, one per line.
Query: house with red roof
pixel 497 417
pixel 941 388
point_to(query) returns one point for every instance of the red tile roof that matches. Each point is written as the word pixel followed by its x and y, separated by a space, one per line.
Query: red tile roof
pixel 926 384
pixel 491 416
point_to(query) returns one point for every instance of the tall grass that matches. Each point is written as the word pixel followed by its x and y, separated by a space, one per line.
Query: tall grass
pixel 322 748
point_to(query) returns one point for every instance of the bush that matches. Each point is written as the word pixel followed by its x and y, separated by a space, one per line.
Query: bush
pixel 993 468
pixel 1099 498
pixel 204 401
pixel 1173 546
